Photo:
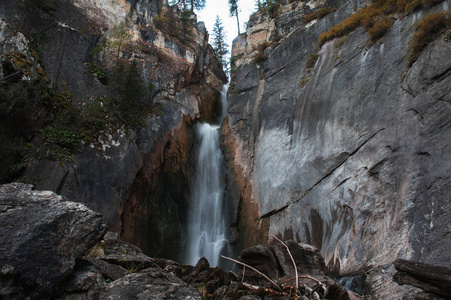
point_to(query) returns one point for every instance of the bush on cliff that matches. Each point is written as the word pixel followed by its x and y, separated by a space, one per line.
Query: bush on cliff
pixel 270 6
pixel 427 30
pixel 376 18
pixel 319 14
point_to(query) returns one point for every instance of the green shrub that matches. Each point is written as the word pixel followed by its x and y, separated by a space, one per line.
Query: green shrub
pixel 99 72
pixel 311 61
pixel 187 25
pixel 168 22
pixel 18 168
pixel 427 30
pixel 96 117
pixel 270 6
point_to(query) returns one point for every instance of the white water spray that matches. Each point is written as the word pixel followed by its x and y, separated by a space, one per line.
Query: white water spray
pixel 207 217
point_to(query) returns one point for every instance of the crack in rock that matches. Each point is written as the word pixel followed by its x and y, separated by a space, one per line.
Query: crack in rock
pixel 275 211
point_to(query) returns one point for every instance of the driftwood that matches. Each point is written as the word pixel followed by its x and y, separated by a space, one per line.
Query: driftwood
pixel 427 277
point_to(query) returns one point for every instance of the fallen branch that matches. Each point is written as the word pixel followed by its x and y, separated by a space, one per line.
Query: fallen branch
pixel 10 76
pixel 292 260
pixel 312 278
pixel 255 270
pixel 251 286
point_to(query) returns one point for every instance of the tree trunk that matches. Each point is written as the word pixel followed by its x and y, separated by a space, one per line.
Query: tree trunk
pixel 238 21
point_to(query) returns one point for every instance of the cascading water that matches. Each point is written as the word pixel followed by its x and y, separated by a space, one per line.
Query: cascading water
pixel 207 218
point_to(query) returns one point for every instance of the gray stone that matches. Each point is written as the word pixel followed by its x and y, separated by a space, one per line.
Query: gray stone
pixel 151 283
pixel 429 278
pixel 138 180
pixel 307 258
pixel 353 162
pixel 41 235
pixel 262 259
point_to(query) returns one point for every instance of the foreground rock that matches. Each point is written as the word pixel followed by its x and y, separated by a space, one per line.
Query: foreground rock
pixel 54 248
pixel 150 283
pixel 310 276
pixel 41 235
pixel 427 277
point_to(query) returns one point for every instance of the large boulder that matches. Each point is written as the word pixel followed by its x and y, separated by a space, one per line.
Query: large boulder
pixel 41 235
pixel 262 259
pixel 429 278
pixel 308 259
pixel 152 283
pixel 208 279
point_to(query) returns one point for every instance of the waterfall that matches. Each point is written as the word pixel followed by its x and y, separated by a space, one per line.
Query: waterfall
pixel 207 216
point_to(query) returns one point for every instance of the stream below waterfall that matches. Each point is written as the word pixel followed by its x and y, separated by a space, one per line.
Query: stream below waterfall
pixel 207 220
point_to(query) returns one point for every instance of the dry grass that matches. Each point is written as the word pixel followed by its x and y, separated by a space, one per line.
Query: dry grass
pixel 376 18
pixel 427 30
pixel 319 14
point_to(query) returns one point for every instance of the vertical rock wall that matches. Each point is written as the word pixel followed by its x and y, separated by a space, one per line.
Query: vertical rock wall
pixel 351 156
pixel 137 179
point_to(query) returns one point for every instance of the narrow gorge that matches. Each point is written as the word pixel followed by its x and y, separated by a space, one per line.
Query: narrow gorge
pixel 331 133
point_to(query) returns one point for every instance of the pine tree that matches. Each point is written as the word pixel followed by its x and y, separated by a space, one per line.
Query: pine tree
pixel 233 9
pixel 120 38
pixel 196 4
pixel 259 5
pixel 189 4
pixel 220 47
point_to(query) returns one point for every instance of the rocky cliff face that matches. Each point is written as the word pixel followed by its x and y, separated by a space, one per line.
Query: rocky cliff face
pixel 349 153
pixel 55 57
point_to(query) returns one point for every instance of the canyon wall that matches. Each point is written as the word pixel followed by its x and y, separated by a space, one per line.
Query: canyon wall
pixel 349 153
pixel 137 177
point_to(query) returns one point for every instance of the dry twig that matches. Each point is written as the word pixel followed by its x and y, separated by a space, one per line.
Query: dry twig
pixel 292 260
pixel 255 270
